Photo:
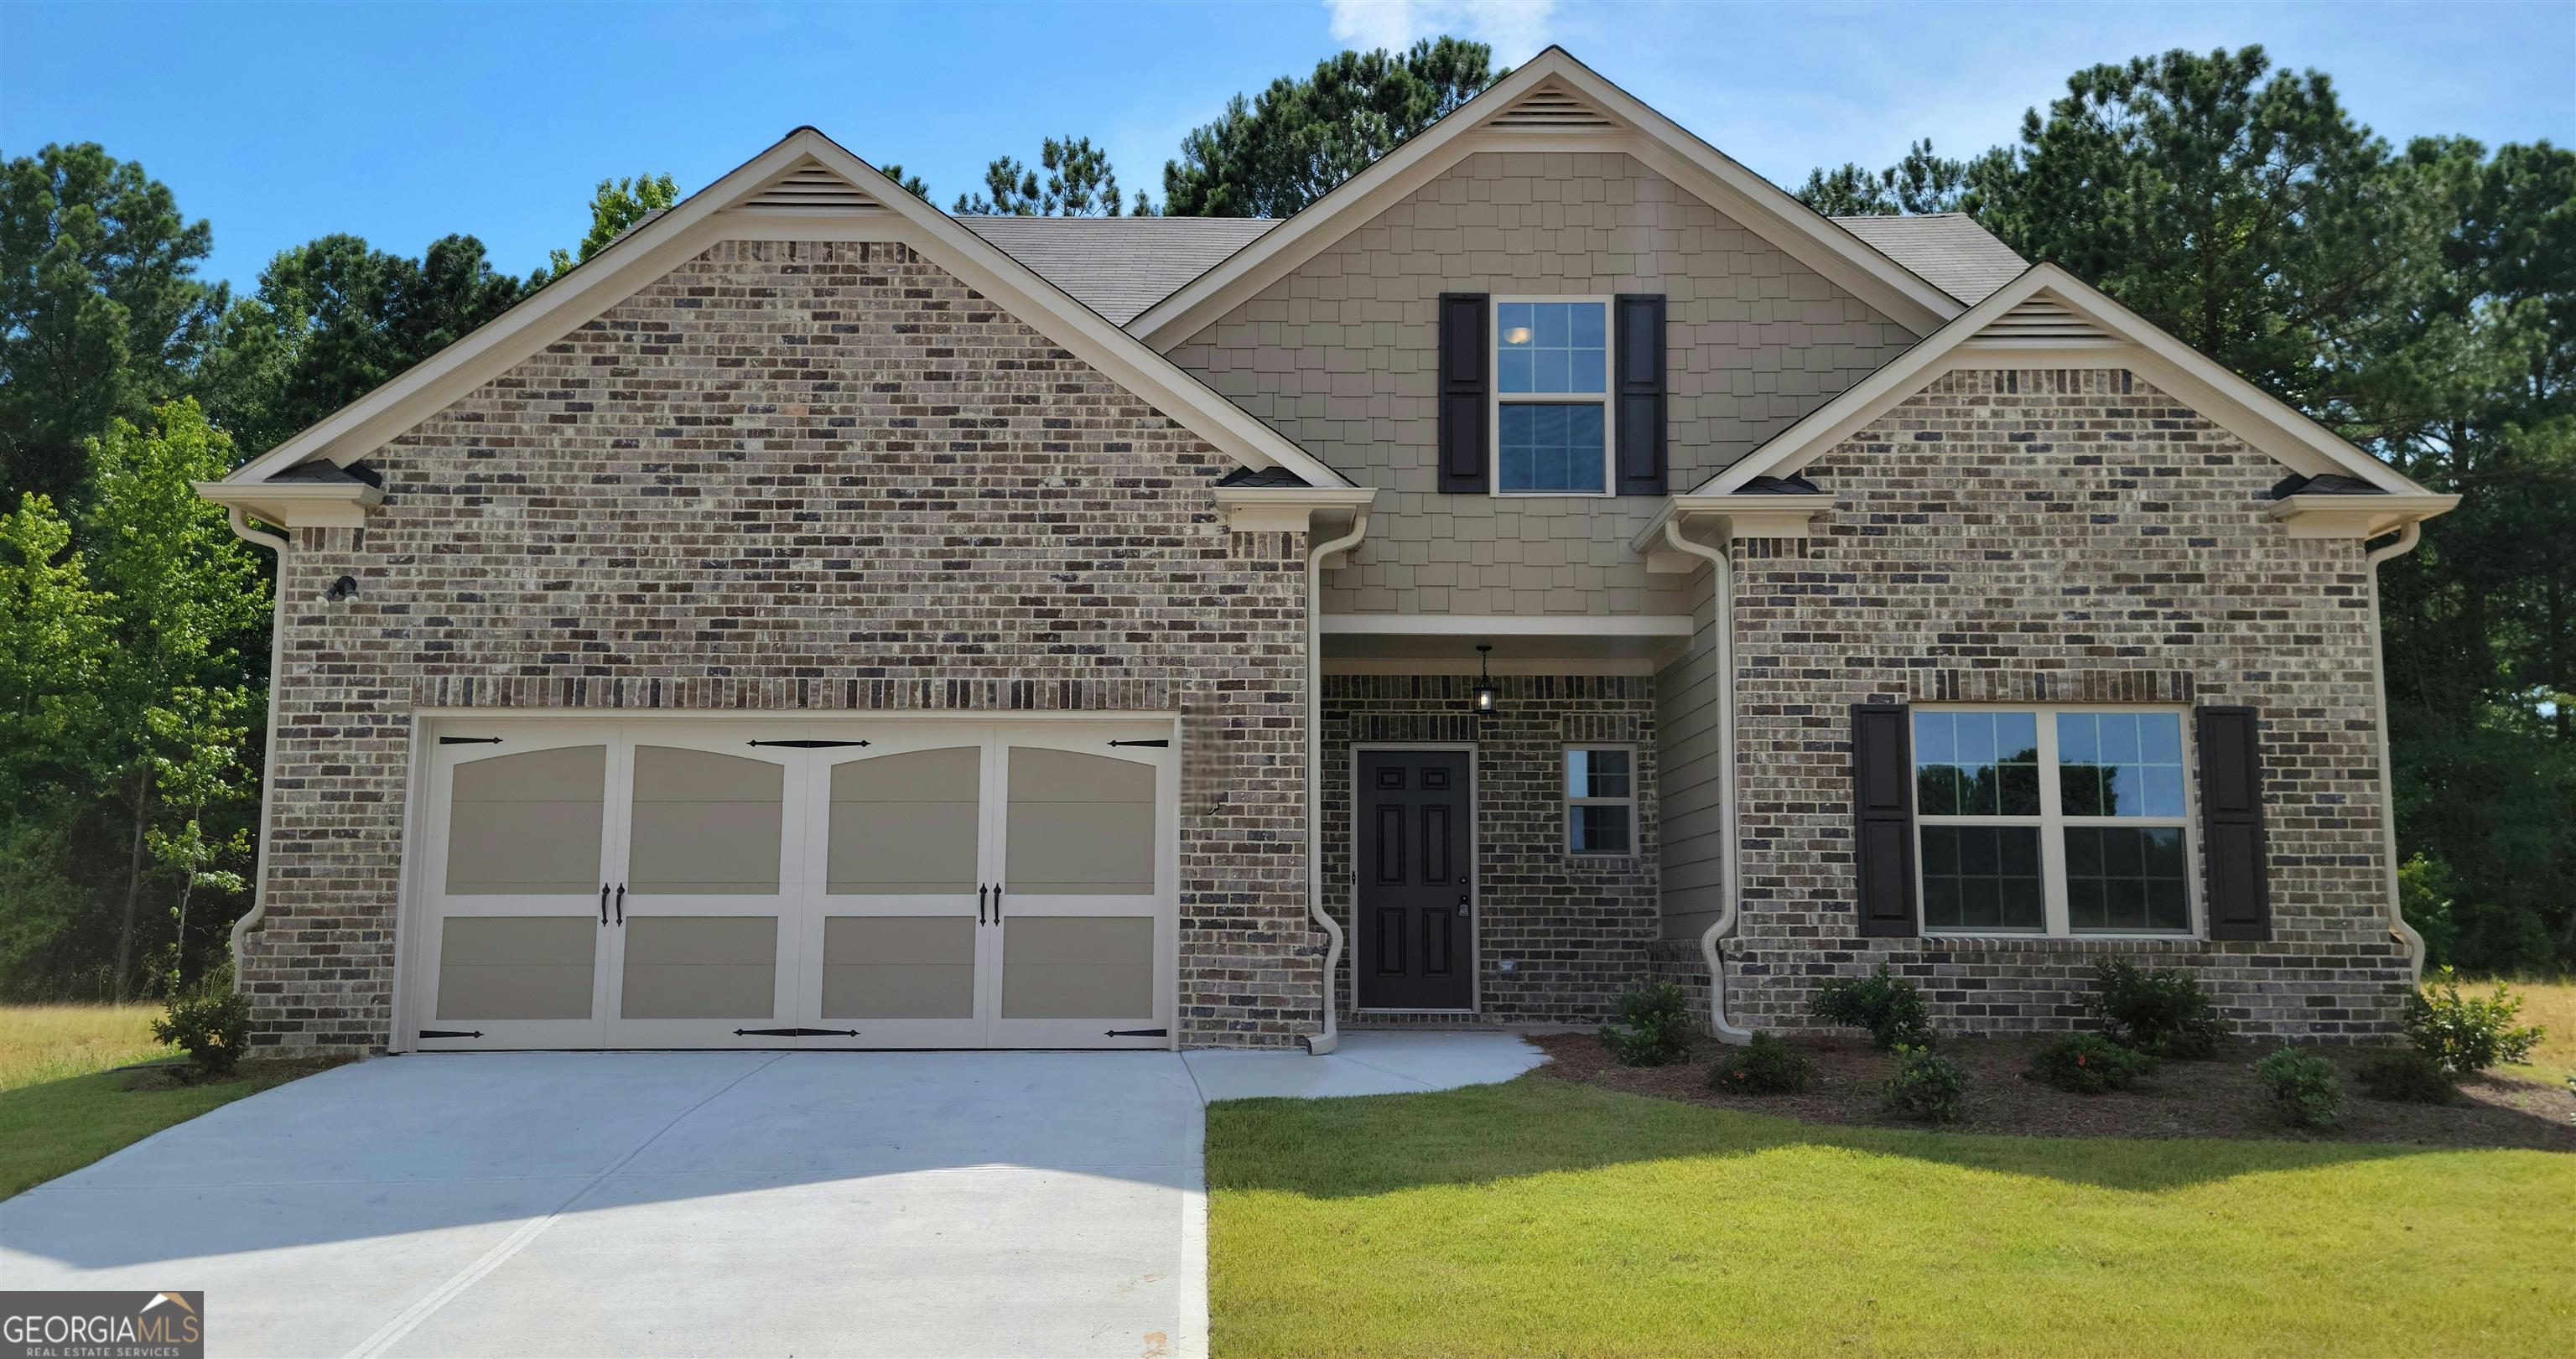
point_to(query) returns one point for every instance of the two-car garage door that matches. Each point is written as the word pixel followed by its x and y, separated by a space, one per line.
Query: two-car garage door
pixel 872 884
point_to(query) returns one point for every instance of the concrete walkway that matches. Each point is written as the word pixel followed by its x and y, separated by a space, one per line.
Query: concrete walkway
pixel 697 1203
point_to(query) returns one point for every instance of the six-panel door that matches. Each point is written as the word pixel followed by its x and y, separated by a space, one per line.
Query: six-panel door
pixel 888 884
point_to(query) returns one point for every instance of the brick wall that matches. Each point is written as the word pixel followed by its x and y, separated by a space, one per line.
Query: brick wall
pixel 1339 354
pixel 795 477
pixel 1575 930
pixel 2063 536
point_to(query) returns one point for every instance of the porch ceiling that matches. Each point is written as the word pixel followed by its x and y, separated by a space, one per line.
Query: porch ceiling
pixel 1523 644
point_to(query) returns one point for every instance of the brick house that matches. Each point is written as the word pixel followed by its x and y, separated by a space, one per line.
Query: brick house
pixel 1556 556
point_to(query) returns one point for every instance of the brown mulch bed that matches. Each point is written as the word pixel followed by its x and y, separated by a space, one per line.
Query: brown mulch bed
pixel 2217 1098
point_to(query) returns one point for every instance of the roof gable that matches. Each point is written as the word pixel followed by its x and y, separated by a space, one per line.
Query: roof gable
pixel 1556 103
pixel 806 187
pixel 2048 318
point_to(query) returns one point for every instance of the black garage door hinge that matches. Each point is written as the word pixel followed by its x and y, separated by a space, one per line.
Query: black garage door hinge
pixel 1140 743
pixel 809 745
pixel 469 740
pixel 796 1033
pixel 451 1033
pixel 1136 1033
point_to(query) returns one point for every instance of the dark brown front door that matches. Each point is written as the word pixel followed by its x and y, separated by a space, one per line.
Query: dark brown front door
pixel 1415 881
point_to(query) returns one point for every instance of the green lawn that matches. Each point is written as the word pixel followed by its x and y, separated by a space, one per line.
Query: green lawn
pixel 1546 1217
pixel 60 1106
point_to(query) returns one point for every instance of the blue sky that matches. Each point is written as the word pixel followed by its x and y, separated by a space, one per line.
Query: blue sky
pixel 403 122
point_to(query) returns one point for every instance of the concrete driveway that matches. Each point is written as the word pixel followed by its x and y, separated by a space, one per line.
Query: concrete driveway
pixel 696 1203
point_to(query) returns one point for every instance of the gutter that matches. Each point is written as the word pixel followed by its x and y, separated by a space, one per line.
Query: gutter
pixel 1331 1037
pixel 240 522
pixel 1722 584
pixel 2407 537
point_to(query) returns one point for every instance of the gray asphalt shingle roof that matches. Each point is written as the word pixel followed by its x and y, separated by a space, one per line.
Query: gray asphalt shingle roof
pixel 1948 249
pixel 1119 266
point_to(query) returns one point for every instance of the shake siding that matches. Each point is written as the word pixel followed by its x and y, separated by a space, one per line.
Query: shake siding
pixel 1688 717
pixel 1340 356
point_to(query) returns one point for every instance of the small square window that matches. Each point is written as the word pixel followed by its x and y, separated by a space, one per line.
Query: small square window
pixel 1600 801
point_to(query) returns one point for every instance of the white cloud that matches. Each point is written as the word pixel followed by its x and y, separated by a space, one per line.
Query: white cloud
pixel 1515 29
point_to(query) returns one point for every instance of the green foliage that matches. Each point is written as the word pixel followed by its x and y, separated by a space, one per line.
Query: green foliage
pixel 333 320
pixel 2162 1013
pixel 1891 1009
pixel 1765 1066
pixel 1655 1025
pixel 911 184
pixel 210 1022
pixel 615 206
pixel 2407 1076
pixel 1079 183
pixel 1921 182
pixel 2088 1064
pixel 2466 1033
pixel 2302 1086
pixel 1925 1085
pixel 1274 153
pixel 101 312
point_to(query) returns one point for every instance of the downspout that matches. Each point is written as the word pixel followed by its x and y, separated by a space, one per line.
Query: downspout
pixel 1722 583
pixel 1331 1037
pixel 2405 933
pixel 268 751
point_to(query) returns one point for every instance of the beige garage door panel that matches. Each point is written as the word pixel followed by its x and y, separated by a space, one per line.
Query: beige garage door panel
pixel 516 967
pixel 527 825
pixel 705 824
pixel 907 824
pixel 1078 967
pixel 898 967
pixel 700 967
pixel 1079 824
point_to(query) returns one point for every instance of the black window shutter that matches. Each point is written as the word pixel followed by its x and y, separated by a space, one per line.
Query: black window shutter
pixel 2231 824
pixel 1640 332
pixel 1464 409
pixel 1883 812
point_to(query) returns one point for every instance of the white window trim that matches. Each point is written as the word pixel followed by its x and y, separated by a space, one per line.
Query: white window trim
pixel 1496 399
pixel 1565 831
pixel 2052 824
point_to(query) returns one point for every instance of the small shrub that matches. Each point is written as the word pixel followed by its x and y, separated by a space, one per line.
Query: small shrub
pixel 1892 1010
pixel 210 1022
pixel 1766 1066
pixel 2162 1013
pixel 2303 1087
pixel 2088 1064
pixel 2406 1076
pixel 2463 1034
pixel 1926 1085
pixel 1654 1028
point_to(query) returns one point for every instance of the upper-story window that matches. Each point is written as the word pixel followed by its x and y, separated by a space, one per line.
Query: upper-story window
pixel 1551 396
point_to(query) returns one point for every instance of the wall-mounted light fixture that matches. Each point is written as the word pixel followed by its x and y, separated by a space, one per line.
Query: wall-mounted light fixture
pixel 341 589
pixel 1481 698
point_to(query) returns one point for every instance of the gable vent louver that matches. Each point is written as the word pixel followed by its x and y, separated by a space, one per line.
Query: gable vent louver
pixel 811 188
pixel 1550 107
pixel 2043 321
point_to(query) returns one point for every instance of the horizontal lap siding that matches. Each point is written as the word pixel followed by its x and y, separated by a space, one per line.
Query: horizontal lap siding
pixel 2059 536
pixel 1341 355
pixel 815 479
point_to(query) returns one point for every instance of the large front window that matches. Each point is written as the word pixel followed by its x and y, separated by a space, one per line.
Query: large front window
pixel 2052 821
pixel 1551 394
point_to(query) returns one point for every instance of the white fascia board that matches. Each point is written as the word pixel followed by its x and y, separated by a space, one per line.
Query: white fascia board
pixel 1287 509
pixel 1730 516
pixel 2267 424
pixel 294 504
pixel 710 216
pixel 1653 139
pixel 2356 516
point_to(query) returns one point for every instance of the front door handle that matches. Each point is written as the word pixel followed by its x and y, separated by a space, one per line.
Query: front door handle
pixel 1462 904
pixel 621 903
